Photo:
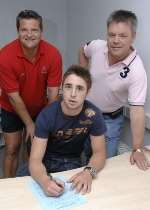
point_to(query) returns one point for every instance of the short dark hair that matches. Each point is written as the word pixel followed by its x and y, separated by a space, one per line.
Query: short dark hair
pixel 29 14
pixel 80 72
pixel 123 16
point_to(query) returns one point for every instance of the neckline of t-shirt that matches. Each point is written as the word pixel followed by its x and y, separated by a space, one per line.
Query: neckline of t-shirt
pixel 70 116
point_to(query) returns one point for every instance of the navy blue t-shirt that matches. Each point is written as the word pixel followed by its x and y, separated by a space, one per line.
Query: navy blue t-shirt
pixel 66 134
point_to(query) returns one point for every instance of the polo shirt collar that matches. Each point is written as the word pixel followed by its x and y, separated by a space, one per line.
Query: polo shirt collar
pixel 130 57
pixel 127 60
pixel 20 51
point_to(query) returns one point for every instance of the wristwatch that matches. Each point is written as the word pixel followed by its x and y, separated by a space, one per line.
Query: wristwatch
pixel 50 176
pixel 92 171
pixel 137 150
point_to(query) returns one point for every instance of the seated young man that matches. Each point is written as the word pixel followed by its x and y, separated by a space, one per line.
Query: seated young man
pixel 60 133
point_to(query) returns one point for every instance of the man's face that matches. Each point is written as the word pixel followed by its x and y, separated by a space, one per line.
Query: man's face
pixel 29 33
pixel 120 37
pixel 74 94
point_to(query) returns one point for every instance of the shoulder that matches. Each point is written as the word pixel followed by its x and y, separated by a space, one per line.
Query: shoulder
pixel 91 109
pixel 10 45
pixel 95 116
pixel 50 110
pixel 46 120
pixel 137 68
pixel 96 43
pixel 139 62
pixel 8 55
pixel 94 46
pixel 9 48
pixel 47 116
pixel 50 48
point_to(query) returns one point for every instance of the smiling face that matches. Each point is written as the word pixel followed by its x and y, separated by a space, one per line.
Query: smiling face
pixel 74 94
pixel 120 37
pixel 29 33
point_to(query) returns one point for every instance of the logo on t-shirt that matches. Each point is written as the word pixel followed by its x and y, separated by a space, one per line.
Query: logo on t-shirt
pixel 89 112
pixel 69 133
pixel 44 70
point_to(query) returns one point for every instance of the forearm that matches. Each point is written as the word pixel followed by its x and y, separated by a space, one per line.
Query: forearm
pixel 52 94
pixel 82 59
pixel 20 108
pixel 137 118
pixel 97 161
pixel 38 171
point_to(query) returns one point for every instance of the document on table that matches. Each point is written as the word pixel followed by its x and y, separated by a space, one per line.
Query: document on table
pixel 66 201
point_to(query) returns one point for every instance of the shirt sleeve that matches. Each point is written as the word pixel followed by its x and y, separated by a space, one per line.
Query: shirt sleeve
pixel 55 70
pixel 98 127
pixel 138 85
pixel 8 79
pixel 42 125
pixel 88 49
pixel 92 46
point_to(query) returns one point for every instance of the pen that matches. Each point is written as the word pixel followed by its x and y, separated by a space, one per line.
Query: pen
pixel 60 185
pixel 55 180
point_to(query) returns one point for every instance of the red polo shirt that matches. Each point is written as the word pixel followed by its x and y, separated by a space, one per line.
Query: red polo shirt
pixel 18 74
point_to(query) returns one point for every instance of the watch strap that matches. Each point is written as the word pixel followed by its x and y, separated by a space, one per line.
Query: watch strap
pixel 91 170
pixel 137 150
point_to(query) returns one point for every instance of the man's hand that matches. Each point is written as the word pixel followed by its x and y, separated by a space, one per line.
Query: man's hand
pixel 53 187
pixel 30 131
pixel 81 182
pixel 140 160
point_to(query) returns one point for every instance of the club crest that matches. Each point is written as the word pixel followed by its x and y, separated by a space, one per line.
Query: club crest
pixel 90 112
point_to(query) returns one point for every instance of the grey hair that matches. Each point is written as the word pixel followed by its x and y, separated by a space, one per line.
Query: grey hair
pixel 123 16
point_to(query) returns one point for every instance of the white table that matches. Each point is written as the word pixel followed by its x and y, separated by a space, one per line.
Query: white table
pixel 119 186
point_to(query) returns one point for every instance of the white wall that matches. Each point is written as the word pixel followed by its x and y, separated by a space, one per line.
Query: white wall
pixel 54 14
pixel 87 21
pixel 127 138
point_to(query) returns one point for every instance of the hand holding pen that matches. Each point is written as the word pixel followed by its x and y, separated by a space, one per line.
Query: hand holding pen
pixel 53 187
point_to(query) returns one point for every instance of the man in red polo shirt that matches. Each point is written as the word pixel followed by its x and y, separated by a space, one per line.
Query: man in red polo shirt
pixel 30 76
